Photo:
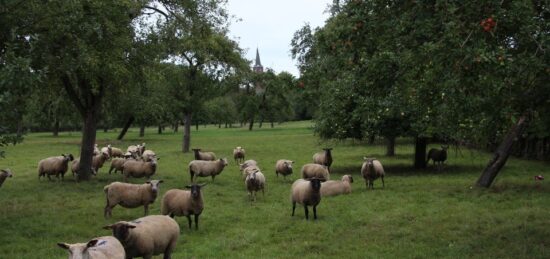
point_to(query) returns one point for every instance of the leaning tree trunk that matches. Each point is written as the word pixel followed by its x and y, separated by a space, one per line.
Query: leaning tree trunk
pixel 87 147
pixel 186 132
pixel 420 147
pixel 390 146
pixel 502 153
pixel 126 127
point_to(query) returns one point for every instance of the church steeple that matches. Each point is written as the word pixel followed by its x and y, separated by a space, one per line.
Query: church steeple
pixel 258 65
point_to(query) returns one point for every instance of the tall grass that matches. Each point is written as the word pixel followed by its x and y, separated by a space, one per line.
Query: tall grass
pixel 420 213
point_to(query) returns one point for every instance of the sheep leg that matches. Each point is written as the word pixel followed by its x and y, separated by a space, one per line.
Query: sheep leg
pixel 196 221
pixel 307 212
pixel 213 176
pixel 315 212
pixel 49 178
pixel 192 175
pixel 108 211
pixel 367 184
pixel 293 207
pixel 189 221
pixel 111 169
pixel 383 184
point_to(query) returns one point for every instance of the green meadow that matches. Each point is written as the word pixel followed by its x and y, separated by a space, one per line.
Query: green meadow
pixel 419 213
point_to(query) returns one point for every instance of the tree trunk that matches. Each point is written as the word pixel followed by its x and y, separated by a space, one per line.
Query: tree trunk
pixel 176 126
pixel 197 126
pixel 261 123
pixel 126 127
pixel 87 146
pixel 502 153
pixel 20 128
pixel 390 146
pixel 420 152
pixel 272 125
pixel 142 130
pixel 160 129
pixel 186 132
pixel 251 125
pixel 371 139
pixel 56 128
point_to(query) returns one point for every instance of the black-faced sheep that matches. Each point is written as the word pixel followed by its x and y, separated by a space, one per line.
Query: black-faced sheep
pixel 283 167
pixel 371 170
pixel 307 193
pixel 56 165
pixel 249 170
pixel 206 168
pixel 147 236
pixel 323 158
pixel 130 195
pixel 255 182
pixel 438 156
pixel 4 173
pixel 139 169
pixel 206 156
pixel 238 154
pixel 333 188
pixel 97 248
pixel 177 202
pixel 315 170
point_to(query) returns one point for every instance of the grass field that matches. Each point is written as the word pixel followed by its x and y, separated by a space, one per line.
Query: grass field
pixel 420 214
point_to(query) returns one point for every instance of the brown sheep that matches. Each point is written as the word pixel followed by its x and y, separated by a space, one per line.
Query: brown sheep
pixel 371 170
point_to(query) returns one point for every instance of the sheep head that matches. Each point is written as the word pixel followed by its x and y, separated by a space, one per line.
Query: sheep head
pixel 315 183
pixel 6 172
pixel 195 189
pixel 121 230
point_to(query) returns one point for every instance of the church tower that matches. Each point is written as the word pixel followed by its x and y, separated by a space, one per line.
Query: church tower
pixel 258 68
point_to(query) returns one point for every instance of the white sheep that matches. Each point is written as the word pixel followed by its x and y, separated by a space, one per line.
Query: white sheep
pixel 117 164
pixel 323 158
pixel 54 166
pixel 130 195
pixel 141 148
pixel 238 154
pixel 138 169
pixel 4 173
pixel 148 155
pixel 246 164
pixel 97 163
pixel 255 182
pixel 315 170
pixel 177 202
pixel 97 248
pixel 283 167
pixel 133 150
pixel 371 170
pixel 251 169
pixel 96 149
pixel 306 192
pixel 147 236
pixel 116 152
pixel 203 155
pixel 206 168
pixel 333 188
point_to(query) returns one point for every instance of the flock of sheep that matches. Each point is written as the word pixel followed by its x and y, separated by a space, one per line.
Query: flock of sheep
pixel 158 234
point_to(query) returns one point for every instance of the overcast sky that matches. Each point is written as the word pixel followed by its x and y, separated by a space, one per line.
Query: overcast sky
pixel 269 26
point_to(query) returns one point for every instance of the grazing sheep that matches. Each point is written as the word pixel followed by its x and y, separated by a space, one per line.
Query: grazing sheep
pixel 4 173
pixel 206 168
pixel 323 158
pixel 96 149
pixel 371 170
pixel 438 156
pixel 147 236
pixel 97 248
pixel 97 163
pixel 283 167
pixel 130 195
pixel 255 182
pixel 148 155
pixel 138 169
pixel 333 188
pixel 315 170
pixel 238 154
pixel 307 193
pixel 117 164
pixel 55 165
pixel 177 202
pixel 246 164
pixel 133 150
pixel 116 152
pixel 108 150
pixel 206 156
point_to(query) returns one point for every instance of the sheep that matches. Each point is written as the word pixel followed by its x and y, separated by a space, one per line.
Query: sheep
pixel 133 150
pixel 97 248
pixel 255 182
pixel 371 170
pixel 206 156
pixel 315 170
pixel 138 169
pixel 97 163
pixel 117 164
pixel 246 164
pixel 307 193
pixel 96 149
pixel 438 156
pixel 333 188
pixel 54 166
pixel 206 168
pixel 141 149
pixel 147 236
pixel 177 202
pixel 107 150
pixel 249 170
pixel 283 167
pixel 130 195
pixel 323 158
pixel 148 155
pixel 116 152
pixel 238 154
pixel 4 173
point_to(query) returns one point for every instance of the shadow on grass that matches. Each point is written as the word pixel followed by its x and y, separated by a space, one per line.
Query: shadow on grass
pixel 409 170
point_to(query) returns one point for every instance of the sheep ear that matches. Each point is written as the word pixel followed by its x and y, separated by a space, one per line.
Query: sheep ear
pixel 91 243
pixel 130 226
pixel 365 158
pixel 63 245
pixel 148 182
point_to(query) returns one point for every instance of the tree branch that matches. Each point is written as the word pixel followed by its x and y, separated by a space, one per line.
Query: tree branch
pixel 72 94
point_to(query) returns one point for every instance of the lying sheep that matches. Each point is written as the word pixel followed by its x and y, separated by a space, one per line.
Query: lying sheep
pixel 438 156
pixel 206 156
pixel 238 154
pixel 255 182
pixel 371 170
pixel 323 158
pixel 206 168
pixel 4 173
pixel 246 164
pixel 315 170
pixel 333 188
pixel 139 169
pixel 177 202
pixel 147 236
pixel 283 167
pixel 307 193
pixel 117 164
pixel 148 155
pixel 97 163
pixel 130 195
pixel 54 166
pixel 97 248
